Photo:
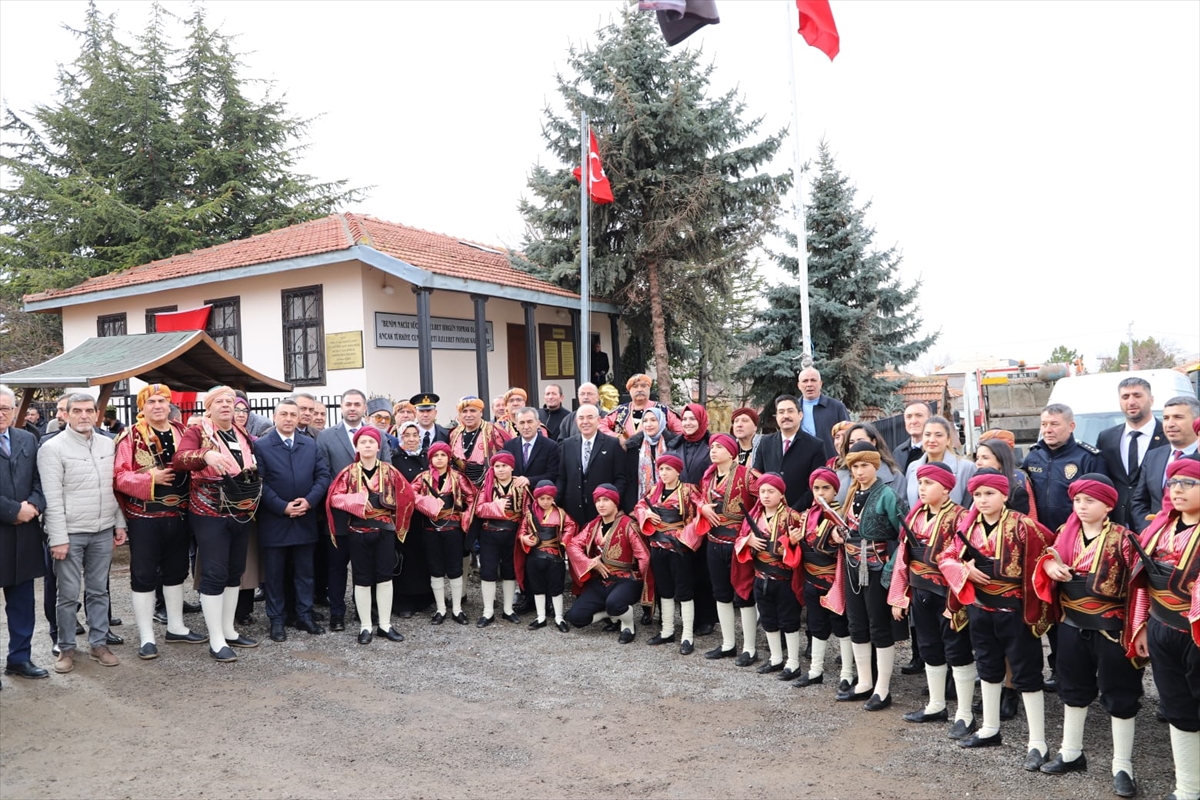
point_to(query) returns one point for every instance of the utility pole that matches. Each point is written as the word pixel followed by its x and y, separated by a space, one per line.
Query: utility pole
pixel 1131 347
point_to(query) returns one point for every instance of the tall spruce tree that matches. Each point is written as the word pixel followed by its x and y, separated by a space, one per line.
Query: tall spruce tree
pixel 692 199
pixel 863 317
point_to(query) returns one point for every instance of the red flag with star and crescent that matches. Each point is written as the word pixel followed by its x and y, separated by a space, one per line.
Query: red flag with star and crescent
pixel 817 26
pixel 601 190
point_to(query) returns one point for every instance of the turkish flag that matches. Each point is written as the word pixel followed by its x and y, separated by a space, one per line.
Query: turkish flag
pixel 817 26
pixel 601 190
pixel 194 319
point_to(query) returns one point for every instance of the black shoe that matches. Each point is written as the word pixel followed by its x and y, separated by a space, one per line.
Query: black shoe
pixel 115 622
pixel 686 648
pixel 483 622
pixel 160 616
pixel 1051 683
pixel 224 654
pixel 768 668
pixel 191 608
pixel 243 641
pixel 914 667
pixel 337 623
pixel 562 626
pixel 610 626
pixel 113 638
pixel 513 618
pixel 1009 704
pixel 460 618
pixel 1124 785
pixel 1056 765
pixel 247 619
pixel 805 680
pixel 536 624
pixel 25 669
pixel 745 659
pixel 191 637
pixel 975 740
pixel 1034 760
pixel 391 634
pixel 850 695
pixel 921 716
pixel 437 619
pixel 626 636
pixel 278 632
pixel 705 630
pixel 791 674
pixel 875 704
pixel 148 651
pixel 647 616
pixel 845 686
pixel 310 627
pixel 364 637
pixel 658 638
pixel 717 652
pixel 79 631
pixel 961 730
pixel 259 595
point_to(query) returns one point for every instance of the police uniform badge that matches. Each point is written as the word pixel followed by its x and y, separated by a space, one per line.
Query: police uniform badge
pixel 1071 470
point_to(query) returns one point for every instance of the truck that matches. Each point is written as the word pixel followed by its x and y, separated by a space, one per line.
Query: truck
pixel 1011 398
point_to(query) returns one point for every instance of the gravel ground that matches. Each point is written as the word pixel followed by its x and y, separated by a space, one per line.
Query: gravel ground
pixel 502 712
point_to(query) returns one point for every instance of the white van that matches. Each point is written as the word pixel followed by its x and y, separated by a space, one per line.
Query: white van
pixel 1093 398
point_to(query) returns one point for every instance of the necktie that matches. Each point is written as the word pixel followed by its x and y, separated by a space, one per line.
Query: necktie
pixel 287 443
pixel 1132 457
pixel 4 444
pixel 786 444
pixel 1174 455
pixel 587 453
pixel 528 447
pixel 425 442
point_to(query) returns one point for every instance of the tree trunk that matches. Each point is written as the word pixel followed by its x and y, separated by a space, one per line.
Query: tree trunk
pixel 658 330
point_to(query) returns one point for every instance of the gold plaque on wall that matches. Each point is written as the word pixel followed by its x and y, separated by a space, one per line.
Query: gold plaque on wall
pixel 344 350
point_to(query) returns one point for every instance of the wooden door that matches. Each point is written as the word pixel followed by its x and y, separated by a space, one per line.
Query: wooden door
pixel 518 368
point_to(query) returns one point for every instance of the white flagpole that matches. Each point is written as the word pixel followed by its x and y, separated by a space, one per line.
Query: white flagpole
pixel 585 290
pixel 798 192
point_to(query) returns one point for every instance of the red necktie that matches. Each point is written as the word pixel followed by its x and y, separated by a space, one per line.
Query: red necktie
pixel 786 444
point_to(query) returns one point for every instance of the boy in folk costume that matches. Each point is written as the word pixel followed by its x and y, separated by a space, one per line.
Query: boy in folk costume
pixel 722 502
pixel 1086 575
pixel 1165 617
pixel 662 515
pixel 446 498
pixel 540 558
pixel 819 565
pixel 919 589
pixel 990 571
pixel 499 509
pixel 767 541
pixel 378 502
pixel 475 441
pixel 610 559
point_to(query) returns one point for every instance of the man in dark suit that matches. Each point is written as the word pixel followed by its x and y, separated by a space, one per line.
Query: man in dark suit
pixel 21 501
pixel 820 413
pixel 916 414
pixel 295 478
pixel 537 455
pixel 1125 447
pixel 791 452
pixel 427 424
pixel 588 459
pixel 1178 415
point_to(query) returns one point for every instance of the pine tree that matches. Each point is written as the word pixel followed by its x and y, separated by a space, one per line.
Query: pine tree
pixel 863 317
pixel 692 201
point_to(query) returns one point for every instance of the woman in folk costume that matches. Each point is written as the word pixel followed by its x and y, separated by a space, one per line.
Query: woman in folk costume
pixel 861 583
pixel 768 541
pixel 224 492
pixel 540 558
pixel 1085 574
pixel 990 572
pixel 446 499
pixel 919 590
pixel 499 509
pixel 722 501
pixel 378 502
pixel 662 514
pixel 1165 617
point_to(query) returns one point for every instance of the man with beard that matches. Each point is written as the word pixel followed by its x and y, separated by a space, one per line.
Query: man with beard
pixel 626 419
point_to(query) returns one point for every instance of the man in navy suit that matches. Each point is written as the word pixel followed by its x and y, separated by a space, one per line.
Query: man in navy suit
pixel 295 478
pixel 588 459
pixel 791 452
pixel 537 455
pixel 1178 416
pixel 1125 446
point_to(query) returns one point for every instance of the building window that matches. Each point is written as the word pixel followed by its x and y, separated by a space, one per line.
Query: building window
pixel 225 324
pixel 557 346
pixel 303 337
pixel 152 322
pixel 113 325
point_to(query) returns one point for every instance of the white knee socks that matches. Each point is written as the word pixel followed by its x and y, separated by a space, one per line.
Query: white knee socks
pixel 362 602
pixel 817 667
pixel 935 677
pixel 599 615
pixel 557 602
pixel 626 620
pixel 489 598
pixel 1035 713
pixel 539 605
pixel 228 611
pixel 211 606
pixel 1072 741
pixel 749 630
pixel 1122 734
pixel 846 651
pixel 862 662
pixel 173 600
pixel 775 643
pixel 687 614
pixel 725 618
pixel 509 589
pixel 383 598
pixel 793 651
pixel 668 617
pixel 991 708
pixel 1185 747
pixel 964 691
pixel 456 593
pixel 886 658
pixel 438 585
pixel 143 614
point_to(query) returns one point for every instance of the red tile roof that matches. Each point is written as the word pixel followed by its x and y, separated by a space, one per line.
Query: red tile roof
pixel 923 388
pixel 432 252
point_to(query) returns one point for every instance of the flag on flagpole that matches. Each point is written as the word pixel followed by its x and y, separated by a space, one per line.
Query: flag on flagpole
pixel 817 26
pixel 192 319
pixel 600 191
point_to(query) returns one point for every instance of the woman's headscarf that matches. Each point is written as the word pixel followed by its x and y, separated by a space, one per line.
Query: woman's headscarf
pixel 701 415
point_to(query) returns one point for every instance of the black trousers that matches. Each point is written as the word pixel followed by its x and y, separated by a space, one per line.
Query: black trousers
pixel 158 552
pixel 1176 667
pixel 275 561
pixel 444 552
pixel 720 565
pixel 996 635
pixel 822 623
pixel 221 543
pixel 940 644
pixel 496 555
pixel 339 561
pixel 372 556
pixel 1090 665
pixel 545 574
pixel 868 614
pixel 613 596
pixel 778 606
pixel 674 573
pixel 702 593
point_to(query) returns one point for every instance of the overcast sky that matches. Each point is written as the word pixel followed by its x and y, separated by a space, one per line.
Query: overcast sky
pixel 1038 163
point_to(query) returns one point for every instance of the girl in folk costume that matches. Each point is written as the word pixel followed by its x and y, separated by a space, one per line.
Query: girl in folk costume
pixel 1165 616
pixel 990 571
pixel 446 499
pixel 499 509
pixel 224 492
pixel 919 590
pixel 541 565
pixel 1086 575
pixel 860 587
pixel 722 502
pixel 475 441
pixel 819 565
pixel 378 502
pixel 768 542
pixel 995 450
pixel 662 516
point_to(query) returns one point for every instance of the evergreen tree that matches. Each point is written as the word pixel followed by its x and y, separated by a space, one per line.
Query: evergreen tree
pixel 1147 354
pixel 863 317
pixel 691 202
pixel 1063 355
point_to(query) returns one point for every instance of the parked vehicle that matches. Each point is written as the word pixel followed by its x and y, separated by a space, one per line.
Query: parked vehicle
pixel 1093 398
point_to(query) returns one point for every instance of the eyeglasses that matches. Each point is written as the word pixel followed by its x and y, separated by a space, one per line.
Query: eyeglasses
pixel 1184 483
pixel 382 417
pixel 7 409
